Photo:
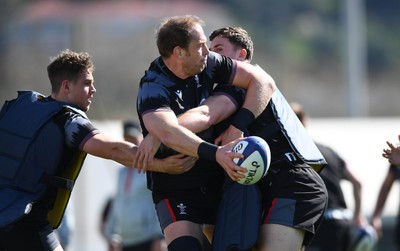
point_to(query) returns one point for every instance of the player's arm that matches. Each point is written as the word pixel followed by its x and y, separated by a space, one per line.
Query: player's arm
pixel 259 85
pixel 123 152
pixel 214 110
pixel 387 184
pixel 348 175
pixel 164 125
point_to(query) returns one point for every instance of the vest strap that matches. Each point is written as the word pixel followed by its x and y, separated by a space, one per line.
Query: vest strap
pixel 56 181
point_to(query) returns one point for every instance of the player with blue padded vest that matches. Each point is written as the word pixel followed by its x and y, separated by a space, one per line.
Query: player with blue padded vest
pixel 43 143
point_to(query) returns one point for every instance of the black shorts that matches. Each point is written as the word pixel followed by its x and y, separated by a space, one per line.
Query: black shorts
pixel 26 236
pixel 294 196
pixel 198 205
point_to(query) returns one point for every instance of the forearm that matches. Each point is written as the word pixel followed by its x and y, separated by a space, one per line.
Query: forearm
pixel 260 87
pixel 380 203
pixel 196 120
pixel 357 202
pixel 123 153
pixel 181 140
pixel 214 110
pixel 258 95
pixel 103 146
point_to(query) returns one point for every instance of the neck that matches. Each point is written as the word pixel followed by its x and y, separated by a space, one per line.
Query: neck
pixel 175 66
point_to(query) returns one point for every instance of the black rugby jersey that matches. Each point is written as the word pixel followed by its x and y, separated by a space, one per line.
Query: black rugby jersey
pixel 332 174
pixel 160 88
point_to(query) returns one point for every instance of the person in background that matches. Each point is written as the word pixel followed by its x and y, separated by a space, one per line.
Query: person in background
pixel 43 142
pixel 113 242
pixel 132 223
pixel 335 232
pixel 393 153
pixel 392 176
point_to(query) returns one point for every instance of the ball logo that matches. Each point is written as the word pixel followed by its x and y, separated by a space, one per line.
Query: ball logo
pixel 239 147
pixel 251 173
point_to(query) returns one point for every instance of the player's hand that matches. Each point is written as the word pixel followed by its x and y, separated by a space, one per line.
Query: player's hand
pixel 392 154
pixel 145 152
pixel 175 164
pixel 225 158
pixel 229 135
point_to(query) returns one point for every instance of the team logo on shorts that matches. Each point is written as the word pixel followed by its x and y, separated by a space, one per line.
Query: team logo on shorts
pixel 182 208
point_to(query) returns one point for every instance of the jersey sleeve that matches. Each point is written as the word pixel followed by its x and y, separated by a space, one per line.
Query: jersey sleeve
pixel 152 97
pixel 221 68
pixel 78 130
pixel 235 94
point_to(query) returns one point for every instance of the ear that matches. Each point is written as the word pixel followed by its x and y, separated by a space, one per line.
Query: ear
pixel 178 51
pixel 242 55
pixel 65 86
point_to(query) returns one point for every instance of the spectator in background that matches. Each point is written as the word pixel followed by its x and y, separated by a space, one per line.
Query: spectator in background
pixel 104 217
pixel 132 223
pixel 335 232
pixel 393 174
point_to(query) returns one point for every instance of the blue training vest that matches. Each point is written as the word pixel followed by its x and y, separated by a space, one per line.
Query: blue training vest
pixel 21 181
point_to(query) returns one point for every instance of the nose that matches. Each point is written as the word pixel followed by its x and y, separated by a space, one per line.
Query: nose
pixel 93 89
pixel 206 50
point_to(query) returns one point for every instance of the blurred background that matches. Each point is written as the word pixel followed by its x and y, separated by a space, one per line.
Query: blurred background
pixel 339 59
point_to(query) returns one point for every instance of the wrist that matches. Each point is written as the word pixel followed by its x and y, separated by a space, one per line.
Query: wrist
pixel 243 119
pixel 207 151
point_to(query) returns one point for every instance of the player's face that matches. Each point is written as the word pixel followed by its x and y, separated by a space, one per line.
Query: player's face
pixel 221 45
pixel 82 90
pixel 195 57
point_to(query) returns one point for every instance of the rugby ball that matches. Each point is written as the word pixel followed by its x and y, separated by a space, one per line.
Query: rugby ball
pixel 363 238
pixel 257 158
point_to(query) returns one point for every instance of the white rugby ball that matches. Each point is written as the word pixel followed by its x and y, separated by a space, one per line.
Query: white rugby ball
pixel 257 158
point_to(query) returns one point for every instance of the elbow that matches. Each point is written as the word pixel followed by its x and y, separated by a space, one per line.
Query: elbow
pixel 271 85
pixel 357 185
pixel 166 137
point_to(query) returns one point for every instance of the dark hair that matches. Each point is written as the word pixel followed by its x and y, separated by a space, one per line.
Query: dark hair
pixel 300 112
pixel 132 128
pixel 175 31
pixel 67 66
pixel 238 37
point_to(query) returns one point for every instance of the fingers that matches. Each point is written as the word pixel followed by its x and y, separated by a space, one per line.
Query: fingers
pixel 137 162
pixel 218 140
pixel 390 145
pixel 234 171
pixel 235 174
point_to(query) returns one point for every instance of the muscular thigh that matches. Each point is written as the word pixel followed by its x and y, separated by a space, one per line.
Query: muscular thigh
pixel 294 197
pixel 182 228
pixel 279 237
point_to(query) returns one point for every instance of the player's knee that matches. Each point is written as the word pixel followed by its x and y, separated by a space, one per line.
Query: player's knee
pixel 185 243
